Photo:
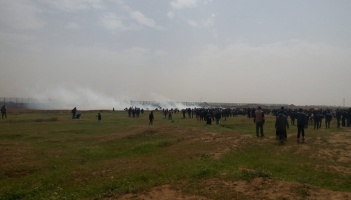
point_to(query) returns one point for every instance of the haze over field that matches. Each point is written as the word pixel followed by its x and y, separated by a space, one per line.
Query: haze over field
pixel 285 52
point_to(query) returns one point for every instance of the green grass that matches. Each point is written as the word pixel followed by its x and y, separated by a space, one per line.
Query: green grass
pixel 47 155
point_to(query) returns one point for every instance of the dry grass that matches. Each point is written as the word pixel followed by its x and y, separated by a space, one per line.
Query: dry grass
pixel 125 158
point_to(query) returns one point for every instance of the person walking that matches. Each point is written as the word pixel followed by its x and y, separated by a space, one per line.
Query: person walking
pixel 3 112
pixel 259 121
pixel 99 117
pixel 74 112
pixel 338 117
pixel 302 122
pixel 328 118
pixel 218 117
pixel 348 118
pixel 151 118
pixel 281 126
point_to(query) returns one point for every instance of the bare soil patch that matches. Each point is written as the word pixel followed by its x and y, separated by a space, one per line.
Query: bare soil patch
pixel 256 189
pixel 335 147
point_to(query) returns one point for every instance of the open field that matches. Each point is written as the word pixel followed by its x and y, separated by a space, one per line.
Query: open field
pixel 48 155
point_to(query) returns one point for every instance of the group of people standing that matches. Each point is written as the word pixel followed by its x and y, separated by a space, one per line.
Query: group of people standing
pixel 303 118
pixel 282 124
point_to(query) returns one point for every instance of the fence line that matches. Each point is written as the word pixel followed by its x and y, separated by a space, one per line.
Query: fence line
pixel 17 100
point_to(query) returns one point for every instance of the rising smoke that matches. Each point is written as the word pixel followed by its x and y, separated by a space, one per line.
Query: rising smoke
pixel 87 99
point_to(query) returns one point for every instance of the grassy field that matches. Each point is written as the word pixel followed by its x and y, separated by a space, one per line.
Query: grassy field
pixel 48 155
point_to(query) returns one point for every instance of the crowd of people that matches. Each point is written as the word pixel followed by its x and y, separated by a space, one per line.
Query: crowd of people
pixel 284 118
pixel 301 118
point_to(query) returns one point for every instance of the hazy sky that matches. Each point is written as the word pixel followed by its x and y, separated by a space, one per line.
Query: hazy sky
pixel 244 51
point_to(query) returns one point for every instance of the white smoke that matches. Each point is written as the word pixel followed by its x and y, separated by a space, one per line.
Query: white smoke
pixel 87 99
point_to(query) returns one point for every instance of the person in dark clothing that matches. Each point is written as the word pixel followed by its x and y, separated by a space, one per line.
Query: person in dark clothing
pixel 338 117
pixel 282 110
pixel 281 125
pixel 184 113
pixel 343 119
pixel 170 112
pixel 151 118
pixel 348 118
pixel 293 117
pixel 328 118
pixel 74 112
pixel 302 122
pixel 208 118
pixel 316 120
pixel 320 118
pixel 218 116
pixel 130 110
pixel 189 112
pixel 99 117
pixel 259 121
pixel 3 112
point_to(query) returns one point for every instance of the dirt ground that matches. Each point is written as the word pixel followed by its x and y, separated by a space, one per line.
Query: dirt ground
pixel 336 147
pixel 261 188
pixel 258 188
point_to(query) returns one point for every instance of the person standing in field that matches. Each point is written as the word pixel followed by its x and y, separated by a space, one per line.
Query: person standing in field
pixel 302 122
pixel 3 112
pixel 170 112
pixel 328 118
pixel 99 118
pixel 283 112
pixel 315 120
pixel 218 117
pixel 259 121
pixel 151 118
pixel 281 126
pixel 348 118
pixel 338 117
pixel 74 112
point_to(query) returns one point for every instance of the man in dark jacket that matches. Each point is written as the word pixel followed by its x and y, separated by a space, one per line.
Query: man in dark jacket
pixel 328 118
pixel 151 118
pixel 348 118
pixel 74 112
pixel 259 121
pixel 3 112
pixel 281 124
pixel 338 117
pixel 99 117
pixel 302 120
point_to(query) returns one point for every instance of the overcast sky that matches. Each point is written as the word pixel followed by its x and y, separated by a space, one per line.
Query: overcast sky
pixel 244 51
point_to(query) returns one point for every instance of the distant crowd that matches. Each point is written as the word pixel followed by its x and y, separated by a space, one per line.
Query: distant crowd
pixel 301 118
pixel 314 116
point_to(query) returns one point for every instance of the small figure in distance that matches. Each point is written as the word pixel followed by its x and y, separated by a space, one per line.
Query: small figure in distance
pixel 74 112
pixel 328 118
pixel 99 119
pixel 208 118
pixel 218 117
pixel 151 118
pixel 3 112
pixel 348 118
